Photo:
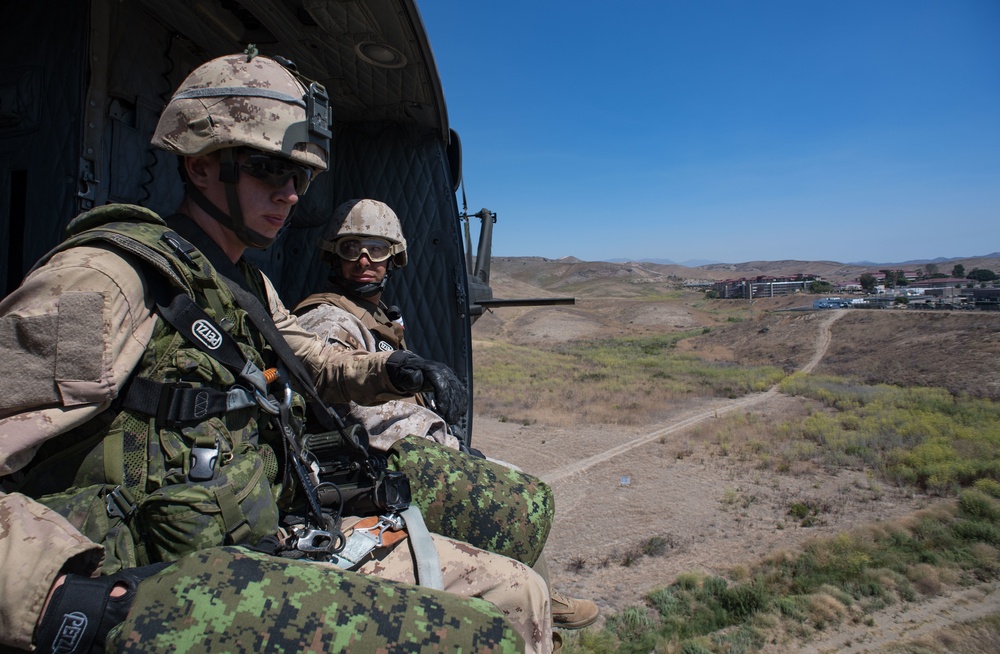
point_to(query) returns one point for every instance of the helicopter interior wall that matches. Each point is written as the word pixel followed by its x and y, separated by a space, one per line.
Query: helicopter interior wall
pixel 40 99
pixel 45 130
pixel 46 84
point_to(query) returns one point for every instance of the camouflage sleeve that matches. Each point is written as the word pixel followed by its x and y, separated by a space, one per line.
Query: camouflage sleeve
pixel 71 334
pixel 337 328
pixel 340 375
pixel 36 544
pixel 387 423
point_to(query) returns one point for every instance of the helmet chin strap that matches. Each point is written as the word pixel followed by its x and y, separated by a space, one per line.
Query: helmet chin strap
pixel 229 175
pixel 358 289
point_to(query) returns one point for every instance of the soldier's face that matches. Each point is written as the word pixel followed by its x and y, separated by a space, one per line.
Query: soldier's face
pixel 266 206
pixel 363 270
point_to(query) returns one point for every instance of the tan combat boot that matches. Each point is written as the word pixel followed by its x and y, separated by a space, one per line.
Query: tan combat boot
pixel 571 613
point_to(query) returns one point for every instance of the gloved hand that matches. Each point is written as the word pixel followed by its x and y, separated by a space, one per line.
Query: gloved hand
pixel 410 373
pixel 82 611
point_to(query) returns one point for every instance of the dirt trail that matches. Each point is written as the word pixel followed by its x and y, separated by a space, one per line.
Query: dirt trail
pixel 823 341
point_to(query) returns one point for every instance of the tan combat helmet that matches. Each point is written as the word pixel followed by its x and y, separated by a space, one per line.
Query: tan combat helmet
pixel 366 218
pixel 247 101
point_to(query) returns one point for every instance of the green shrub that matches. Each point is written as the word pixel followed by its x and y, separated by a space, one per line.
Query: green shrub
pixel 977 504
pixel 989 486
pixel 977 530
pixel 634 623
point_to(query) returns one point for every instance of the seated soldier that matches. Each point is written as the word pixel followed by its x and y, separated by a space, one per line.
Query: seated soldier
pixel 150 437
pixel 363 244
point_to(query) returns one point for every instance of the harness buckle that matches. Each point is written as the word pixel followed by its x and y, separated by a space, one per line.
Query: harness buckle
pixel 203 462
pixel 318 541
pixel 386 524
pixel 359 544
pixel 119 503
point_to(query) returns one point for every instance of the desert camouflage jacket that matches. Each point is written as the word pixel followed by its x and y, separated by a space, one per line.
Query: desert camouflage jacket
pixel 346 324
pixel 71 336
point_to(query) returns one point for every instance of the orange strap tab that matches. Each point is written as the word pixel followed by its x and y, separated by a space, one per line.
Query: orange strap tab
pixel 389 537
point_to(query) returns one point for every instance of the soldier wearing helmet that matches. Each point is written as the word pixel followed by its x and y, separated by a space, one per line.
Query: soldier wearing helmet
pixel 362 245
pixel 148 444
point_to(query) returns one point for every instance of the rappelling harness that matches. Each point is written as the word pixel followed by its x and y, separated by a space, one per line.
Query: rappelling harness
pixel 335 470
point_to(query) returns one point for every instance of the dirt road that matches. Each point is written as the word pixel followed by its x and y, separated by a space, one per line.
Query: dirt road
pixel 616 487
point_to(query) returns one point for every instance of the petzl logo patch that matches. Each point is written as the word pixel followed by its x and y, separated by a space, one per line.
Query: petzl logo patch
pixel 207 333
pixel 70 632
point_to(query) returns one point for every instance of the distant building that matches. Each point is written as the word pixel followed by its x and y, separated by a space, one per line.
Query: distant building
pixel 848 287
pixel 941 282
pixel 879 275
pixel 762 286
pixel 986 298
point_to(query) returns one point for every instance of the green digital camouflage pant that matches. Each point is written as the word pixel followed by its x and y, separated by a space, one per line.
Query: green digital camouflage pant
pixel 230 599
pixel 486 504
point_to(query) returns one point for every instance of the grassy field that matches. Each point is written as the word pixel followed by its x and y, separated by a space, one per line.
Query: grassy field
pixel 612 381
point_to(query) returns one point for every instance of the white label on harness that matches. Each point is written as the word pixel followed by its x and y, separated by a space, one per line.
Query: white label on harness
pixel 206 332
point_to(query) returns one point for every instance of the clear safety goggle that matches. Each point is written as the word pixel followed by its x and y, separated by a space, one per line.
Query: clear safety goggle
pixel 351 248
pixel 276 171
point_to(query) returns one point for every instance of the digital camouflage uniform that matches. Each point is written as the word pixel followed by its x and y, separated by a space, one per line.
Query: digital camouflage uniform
pixel 82 332
pixel 230 599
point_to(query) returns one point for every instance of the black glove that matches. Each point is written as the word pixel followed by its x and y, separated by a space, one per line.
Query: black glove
pixel 82 611
pixel 412 374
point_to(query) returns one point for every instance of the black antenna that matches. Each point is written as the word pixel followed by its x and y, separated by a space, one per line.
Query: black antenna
pixel 468 233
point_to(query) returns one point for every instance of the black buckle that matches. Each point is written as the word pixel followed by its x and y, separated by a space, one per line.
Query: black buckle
pixel 203 462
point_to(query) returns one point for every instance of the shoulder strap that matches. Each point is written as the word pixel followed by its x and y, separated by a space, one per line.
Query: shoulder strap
pixel 239 286
pixel 390 334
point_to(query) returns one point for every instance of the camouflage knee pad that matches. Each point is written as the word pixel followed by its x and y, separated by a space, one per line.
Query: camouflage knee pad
pixel 474 500
pixel 230 599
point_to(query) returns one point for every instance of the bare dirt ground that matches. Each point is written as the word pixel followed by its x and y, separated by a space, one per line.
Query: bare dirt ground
pixel 616 487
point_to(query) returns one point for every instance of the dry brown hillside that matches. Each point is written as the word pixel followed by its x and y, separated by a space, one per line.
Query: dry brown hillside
pixel 957 351
pixel 553 274
pixel 691 471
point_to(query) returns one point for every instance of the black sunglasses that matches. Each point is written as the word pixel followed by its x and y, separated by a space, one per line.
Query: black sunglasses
pixel 276 171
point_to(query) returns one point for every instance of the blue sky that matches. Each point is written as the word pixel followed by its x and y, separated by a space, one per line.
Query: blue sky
pixel 727 130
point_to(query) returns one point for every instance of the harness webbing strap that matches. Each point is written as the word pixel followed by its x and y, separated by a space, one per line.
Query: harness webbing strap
pixel 237 528
pixel 260 317
pixel 173 404
pixel 204 333
pixel 428 565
